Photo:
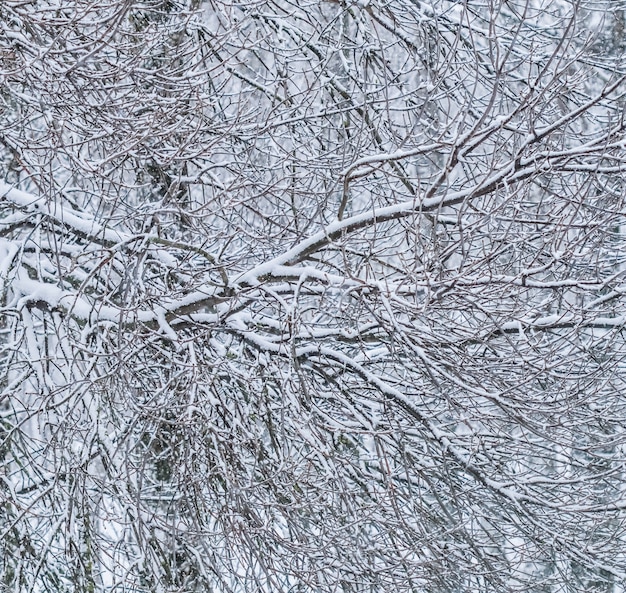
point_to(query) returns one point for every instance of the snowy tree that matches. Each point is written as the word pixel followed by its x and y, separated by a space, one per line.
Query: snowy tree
pixel 312 296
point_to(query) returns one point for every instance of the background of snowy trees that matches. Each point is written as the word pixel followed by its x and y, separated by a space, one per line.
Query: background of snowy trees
pixel 312 296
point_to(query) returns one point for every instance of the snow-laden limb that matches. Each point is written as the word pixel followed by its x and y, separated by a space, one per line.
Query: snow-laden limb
pixel 87 227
